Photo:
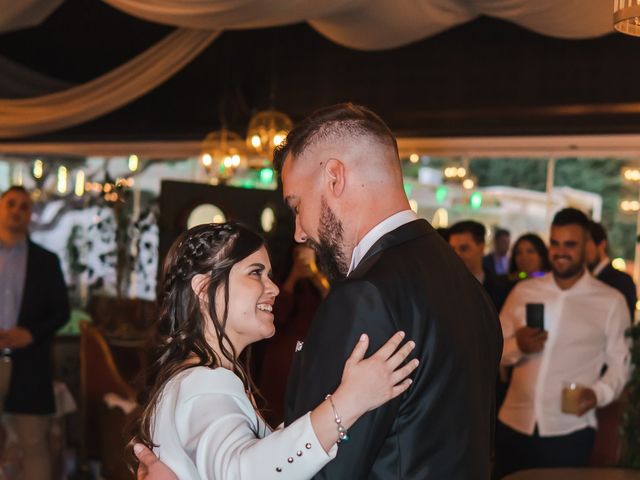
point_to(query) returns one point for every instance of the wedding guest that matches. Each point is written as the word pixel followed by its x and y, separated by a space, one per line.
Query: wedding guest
pixel 601 267
pixel 496 262
pixel 583 329
pixel 529 258
pixel 33 305
pixel 467 240
pixel 199 411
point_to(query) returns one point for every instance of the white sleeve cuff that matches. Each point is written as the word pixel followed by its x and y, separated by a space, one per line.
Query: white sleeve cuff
pixel 511 354
pixel 296 452
pixel 604 393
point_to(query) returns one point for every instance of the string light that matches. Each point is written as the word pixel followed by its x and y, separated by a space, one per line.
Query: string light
pixel 38 169
pixel 619 264
pixel 62 179
pixel 630 205
pixel 631 174
pixel 79 190
pixel 133 162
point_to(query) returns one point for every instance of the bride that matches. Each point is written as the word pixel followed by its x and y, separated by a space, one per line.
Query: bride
pixel 198 411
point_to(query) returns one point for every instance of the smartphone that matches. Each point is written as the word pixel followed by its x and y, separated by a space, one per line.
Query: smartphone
pixel 535 315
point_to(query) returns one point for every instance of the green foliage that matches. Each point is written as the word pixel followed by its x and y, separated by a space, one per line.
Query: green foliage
pixel 528 173
pixel 630 428
pixel 601 176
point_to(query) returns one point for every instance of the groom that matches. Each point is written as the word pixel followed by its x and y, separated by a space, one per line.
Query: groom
pixel 342 178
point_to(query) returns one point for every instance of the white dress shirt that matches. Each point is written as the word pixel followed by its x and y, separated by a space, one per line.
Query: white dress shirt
pixel 207 429
pixel 586 325
pixel 387 225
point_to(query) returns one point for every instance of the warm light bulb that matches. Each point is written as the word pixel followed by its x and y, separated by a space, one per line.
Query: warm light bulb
pixel 414 158
pixel 279 137
pixel 619 264
pixel 462 172
pixel 207 160
pixel 62 179
pixel 38 168
pixel 228 162
pixel 255 141
pixel 468 184
pixel 133 162
pixel 79 190
pixel 235 160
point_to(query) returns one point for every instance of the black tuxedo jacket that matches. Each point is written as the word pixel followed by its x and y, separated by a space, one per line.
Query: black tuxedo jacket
pixel 621 282
pixel 44 309
pixel 488 264
pixel 497 287
pixel 442 427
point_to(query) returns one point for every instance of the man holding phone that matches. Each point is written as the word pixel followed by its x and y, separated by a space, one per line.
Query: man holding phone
pixel 559 331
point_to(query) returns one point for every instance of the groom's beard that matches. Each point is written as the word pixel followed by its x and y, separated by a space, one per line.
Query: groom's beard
pixel 329 255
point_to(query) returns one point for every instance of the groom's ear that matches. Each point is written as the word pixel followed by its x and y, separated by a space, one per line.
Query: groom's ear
pixel 334 176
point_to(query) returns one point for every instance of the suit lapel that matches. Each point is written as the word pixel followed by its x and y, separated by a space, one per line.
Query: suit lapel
pixel 402 234
pixel 29 273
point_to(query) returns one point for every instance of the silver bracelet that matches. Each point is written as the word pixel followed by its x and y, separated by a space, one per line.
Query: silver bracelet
pixel 343 434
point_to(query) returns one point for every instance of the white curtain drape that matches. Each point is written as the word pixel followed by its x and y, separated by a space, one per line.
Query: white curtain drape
pixel 378 24
pixel 365 24
pixel 17 81
pixel 230 14
pixel 359 24
pixel 24 117
pixel 17 14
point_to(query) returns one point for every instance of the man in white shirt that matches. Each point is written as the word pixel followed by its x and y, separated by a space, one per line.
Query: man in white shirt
pixel 584 324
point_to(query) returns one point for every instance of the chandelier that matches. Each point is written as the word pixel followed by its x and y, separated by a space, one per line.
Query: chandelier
pixel 626 17
pixel 222 153
pixel 267 130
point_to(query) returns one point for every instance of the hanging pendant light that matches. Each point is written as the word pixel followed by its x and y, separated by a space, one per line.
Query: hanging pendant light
pixel 222 153
pixel 267 130
pixel 626 17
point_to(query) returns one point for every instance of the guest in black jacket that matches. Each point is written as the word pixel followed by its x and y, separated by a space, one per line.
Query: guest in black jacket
pixel 496 262
pixel 600 265
pixel 33 305
pixel 467 240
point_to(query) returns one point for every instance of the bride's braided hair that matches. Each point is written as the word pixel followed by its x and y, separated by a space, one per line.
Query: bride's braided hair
pixel 212 250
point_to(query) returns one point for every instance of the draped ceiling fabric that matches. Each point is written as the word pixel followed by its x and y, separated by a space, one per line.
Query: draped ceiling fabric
pixel 23 117
pixel 18 81
pixel 17 14
pixel 378 24
pixel 357 24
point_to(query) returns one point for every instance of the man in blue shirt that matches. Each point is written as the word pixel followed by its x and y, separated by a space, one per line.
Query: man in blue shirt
pixel 33 305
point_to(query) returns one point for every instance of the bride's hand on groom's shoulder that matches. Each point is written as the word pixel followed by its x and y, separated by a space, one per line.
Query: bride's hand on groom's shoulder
pixel 150 467
pixel 370 382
